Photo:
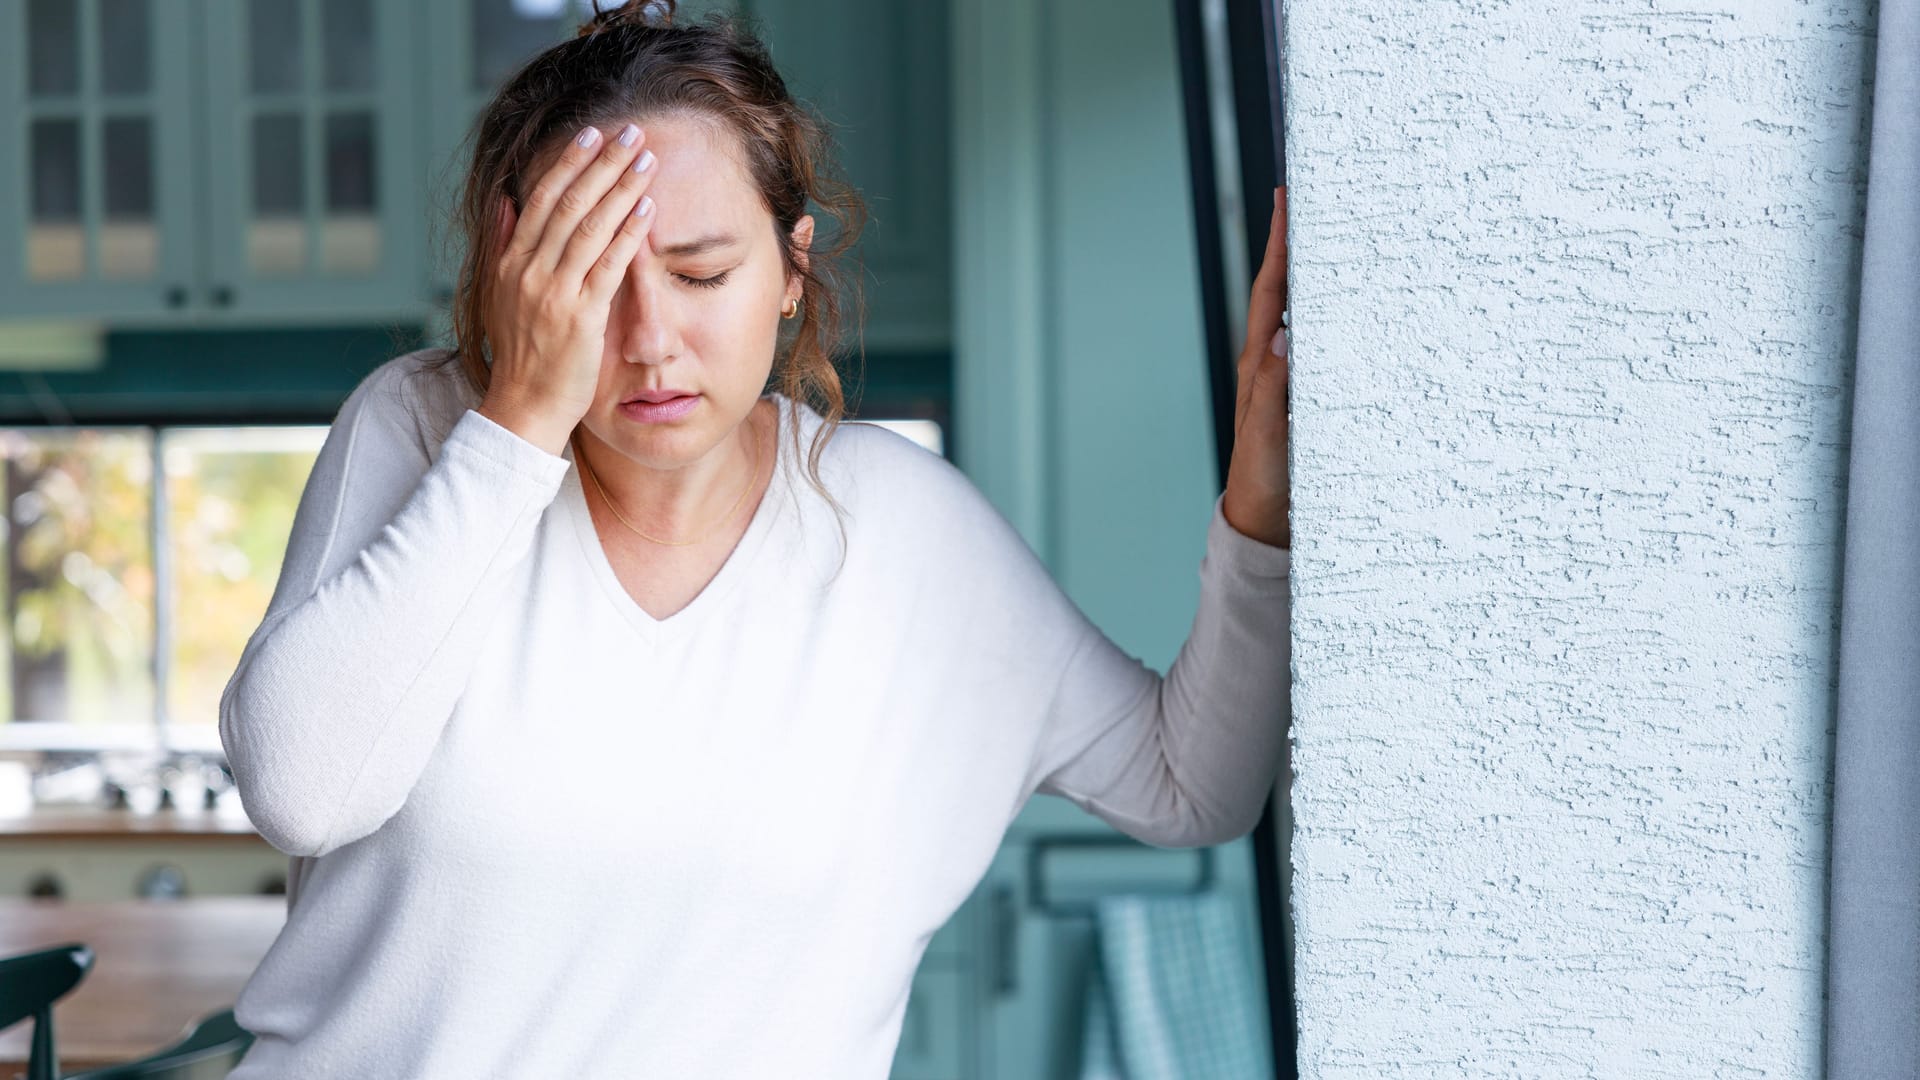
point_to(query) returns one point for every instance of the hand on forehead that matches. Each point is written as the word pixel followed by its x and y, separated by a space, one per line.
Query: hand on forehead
pixel 696 165
pixel 701 190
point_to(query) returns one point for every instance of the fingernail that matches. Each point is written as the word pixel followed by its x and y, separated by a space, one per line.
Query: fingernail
pixel 645 207
pixel 644 161
pixel 1279 346
pixel 628 134
pixel 587 135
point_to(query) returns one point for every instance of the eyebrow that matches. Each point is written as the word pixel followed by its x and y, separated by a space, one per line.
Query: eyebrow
pixel 709 242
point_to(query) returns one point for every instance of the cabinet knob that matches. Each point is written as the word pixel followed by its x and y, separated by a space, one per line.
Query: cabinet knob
pixel 162 881
pixel 177 296
pixel 222 295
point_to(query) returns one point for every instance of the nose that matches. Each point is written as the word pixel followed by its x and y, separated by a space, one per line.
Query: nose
pixel 641 319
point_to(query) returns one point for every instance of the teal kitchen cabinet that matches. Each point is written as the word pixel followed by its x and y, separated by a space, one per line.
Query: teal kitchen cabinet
pixel 209 162
pixel 312 123
pixel 472 47
pixel 882 90
pixel 97 207
pixel 212 163
pixel 878 70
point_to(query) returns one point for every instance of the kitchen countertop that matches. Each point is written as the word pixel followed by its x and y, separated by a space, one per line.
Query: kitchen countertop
pixel 79 822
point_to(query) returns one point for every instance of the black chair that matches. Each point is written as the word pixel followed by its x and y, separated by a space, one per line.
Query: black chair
pixel 211 1049
pixel 29 985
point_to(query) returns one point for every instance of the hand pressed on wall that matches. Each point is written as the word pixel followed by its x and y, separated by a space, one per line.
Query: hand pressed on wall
pixel 1256 499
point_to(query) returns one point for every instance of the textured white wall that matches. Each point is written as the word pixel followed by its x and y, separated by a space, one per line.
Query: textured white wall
pixel 1573 287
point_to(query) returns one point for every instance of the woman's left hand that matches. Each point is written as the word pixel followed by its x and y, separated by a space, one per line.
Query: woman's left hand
pixel 1256 499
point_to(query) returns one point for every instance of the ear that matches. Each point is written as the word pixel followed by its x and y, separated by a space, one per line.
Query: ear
pixel 802 239
pixel 503 226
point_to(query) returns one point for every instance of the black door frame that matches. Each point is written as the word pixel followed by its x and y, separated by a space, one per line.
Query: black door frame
pixel 1254 61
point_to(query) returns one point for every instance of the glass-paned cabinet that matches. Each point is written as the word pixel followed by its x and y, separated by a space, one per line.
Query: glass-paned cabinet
pixel 96 213
pixel 490 40
pixel 209 161
pixel 203 163
pixel 310 149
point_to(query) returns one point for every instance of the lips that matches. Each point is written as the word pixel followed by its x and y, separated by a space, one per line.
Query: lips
pixel 657 396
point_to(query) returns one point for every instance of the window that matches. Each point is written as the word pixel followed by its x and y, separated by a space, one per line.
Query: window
pixel 925 432
pixel 127 600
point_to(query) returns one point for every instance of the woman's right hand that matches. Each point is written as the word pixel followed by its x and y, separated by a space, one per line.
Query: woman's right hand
pixel 554 280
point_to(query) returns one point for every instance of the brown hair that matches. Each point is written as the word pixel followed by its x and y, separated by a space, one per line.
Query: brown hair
pixel 629 62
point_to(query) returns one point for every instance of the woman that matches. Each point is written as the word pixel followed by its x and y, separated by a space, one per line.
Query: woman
pixel 653 767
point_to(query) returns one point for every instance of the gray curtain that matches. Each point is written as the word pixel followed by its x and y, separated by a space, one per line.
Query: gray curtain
pixel 1873 942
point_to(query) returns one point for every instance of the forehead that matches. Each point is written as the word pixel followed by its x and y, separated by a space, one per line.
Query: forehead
pixel 700 182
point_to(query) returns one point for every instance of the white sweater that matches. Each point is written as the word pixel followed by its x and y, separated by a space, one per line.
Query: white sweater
pixel 536 832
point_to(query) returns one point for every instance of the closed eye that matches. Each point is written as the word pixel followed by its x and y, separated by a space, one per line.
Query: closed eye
pixel 713 282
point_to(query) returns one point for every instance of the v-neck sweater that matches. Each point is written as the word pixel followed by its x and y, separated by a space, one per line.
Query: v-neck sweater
pixel 534 831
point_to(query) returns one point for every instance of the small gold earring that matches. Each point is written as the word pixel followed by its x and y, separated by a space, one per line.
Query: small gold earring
pixel 792 308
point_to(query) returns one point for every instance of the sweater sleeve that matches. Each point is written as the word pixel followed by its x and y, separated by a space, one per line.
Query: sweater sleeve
pixel 1190 759
pixel 398 557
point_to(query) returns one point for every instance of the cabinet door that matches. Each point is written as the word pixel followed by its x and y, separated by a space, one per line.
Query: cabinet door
pixel 95 201
pixel 477 45
pixel 877 70
pixel 311 141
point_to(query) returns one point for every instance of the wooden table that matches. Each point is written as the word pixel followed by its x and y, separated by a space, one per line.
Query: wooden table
pixel 158 966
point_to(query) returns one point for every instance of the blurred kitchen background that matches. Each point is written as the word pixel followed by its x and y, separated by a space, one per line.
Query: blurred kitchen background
pixel 218 215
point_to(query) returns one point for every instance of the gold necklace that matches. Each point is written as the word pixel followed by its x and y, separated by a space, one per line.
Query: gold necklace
pixel 581 460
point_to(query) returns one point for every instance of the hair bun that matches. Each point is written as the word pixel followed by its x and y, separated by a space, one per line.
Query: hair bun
pixel 654 14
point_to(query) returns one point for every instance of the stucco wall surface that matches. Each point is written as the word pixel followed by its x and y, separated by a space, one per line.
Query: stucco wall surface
pixel 1573 289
